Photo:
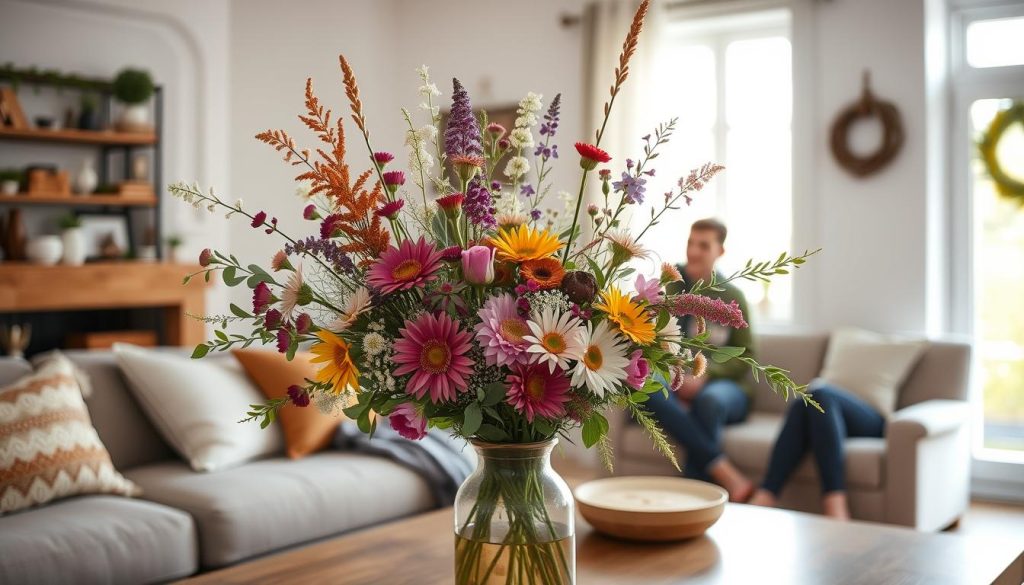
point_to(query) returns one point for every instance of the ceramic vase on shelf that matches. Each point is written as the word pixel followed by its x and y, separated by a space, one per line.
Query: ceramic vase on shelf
pixel 74 247
pixel 45 250
pixel 134 118
pixel 514 518
pixel 9 187
pixel 86 180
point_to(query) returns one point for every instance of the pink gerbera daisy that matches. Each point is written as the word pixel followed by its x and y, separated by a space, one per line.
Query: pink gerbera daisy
pixel 501 330
pixel 412 264
pixel 535 391
pixel 433 349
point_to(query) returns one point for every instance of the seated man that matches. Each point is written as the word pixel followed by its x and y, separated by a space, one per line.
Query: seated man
pixel 695 413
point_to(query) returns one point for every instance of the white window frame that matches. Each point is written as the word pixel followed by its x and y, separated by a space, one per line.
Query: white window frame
pixel 994 473
pixel 798 15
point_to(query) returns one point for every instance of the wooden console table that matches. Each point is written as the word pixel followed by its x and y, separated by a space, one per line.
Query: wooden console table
pixel 109 285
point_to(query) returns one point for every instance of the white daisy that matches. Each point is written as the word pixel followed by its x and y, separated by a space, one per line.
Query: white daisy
pixel 517 167
pixel 555 339
pixel 603 361
pixel 669 336
pixel 374 344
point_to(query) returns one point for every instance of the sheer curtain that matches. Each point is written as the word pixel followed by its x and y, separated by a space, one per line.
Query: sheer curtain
pixel 606 23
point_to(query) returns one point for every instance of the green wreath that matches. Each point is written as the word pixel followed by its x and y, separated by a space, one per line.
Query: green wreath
pixel 1007 185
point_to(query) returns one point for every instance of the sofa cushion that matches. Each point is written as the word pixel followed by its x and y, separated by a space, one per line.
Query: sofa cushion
pixel 749 445
pixel 13 368
pixel 274 503
pixel 97 539
pixel 120 423
pixel 48 447
pixel 802 355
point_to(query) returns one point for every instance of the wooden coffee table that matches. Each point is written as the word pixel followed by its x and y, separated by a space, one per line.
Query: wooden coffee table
pixel 748 545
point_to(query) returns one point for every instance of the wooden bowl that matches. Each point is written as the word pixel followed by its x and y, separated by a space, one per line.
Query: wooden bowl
pixel 651 508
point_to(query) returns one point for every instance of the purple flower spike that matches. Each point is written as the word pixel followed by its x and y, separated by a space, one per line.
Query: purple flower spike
pixel 462 136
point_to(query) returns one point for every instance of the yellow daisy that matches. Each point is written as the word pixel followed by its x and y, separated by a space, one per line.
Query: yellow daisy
pixel 338 369
pixel 525 243
pixel 629 316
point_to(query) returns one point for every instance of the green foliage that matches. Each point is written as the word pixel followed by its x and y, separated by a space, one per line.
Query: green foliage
pixel 653 431
pixel 69 221
pixel 133 86
pixel 761 271
pixel 266 413
pixel 11 175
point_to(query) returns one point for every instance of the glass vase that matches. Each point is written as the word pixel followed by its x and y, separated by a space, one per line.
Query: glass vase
pixel 514 518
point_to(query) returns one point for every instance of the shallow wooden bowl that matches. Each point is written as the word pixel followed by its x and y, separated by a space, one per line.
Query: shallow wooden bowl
pixel 651 508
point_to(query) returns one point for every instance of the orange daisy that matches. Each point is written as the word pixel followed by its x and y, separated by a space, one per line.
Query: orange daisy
pixel 546 272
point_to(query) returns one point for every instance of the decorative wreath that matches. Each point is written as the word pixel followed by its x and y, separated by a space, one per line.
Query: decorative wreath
pixel 892 127
pixel 1007 185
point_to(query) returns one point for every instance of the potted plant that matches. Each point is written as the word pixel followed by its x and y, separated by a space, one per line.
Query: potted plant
pixel 89 117
pixel 10 181
pixel 133 88
pixel 74 240
pixel 173 244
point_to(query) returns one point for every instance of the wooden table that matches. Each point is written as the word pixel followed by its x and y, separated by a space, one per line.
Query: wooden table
pixel 748 545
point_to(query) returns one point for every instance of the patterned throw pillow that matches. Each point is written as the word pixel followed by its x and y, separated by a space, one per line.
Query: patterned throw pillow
pixel 48 446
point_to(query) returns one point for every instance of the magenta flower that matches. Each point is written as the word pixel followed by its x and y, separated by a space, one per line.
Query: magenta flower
pixel 272 320
pixel 303 323
pixel 452 254
pixel 535 391
pixel 433 349
pixel 393 180
pixel 406 267
pixel 478 265
pixel 383 158
pixel 206 257
pixel 284 339
pixel 647 290
pixel 408 421
pixel 638 370
pixel 330 227
pixel 714 310
pixel 259 219
pixel 390 209
pixel 262 298
pixel 310 212
pixel 501 330
pixel 297 394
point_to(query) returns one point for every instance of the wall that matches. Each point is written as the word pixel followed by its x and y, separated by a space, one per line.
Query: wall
pixel 183 44
pixel 873 271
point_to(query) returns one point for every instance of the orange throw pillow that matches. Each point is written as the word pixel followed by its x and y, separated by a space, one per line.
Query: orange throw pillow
pixel 306 429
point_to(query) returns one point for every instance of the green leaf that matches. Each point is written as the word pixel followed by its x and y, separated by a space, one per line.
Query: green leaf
pixel 639 397
pixel 221 335
pixel 230 276
pixel 720 355
pixel 597 272
pixel 663 317
pixel 489 432
pixel 363 422
pixel 471 419
pixel 200 351
pixel 594 428
pixel 494 393
pixel 239 311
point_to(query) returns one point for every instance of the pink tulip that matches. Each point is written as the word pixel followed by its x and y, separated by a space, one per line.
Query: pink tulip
pixel 408 422
pixel 638 370
pixel 478 265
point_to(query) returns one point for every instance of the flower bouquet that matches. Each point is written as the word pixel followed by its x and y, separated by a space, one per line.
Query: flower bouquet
pixel 445 296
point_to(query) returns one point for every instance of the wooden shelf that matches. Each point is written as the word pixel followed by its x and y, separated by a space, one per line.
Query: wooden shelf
pixel 78 200
pixel 73 136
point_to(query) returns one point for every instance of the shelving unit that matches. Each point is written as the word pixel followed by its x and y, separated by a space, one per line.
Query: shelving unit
pixel 109 142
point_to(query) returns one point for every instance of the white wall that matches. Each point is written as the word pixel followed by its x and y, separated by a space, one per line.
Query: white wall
pixel 183 44
pixel 498 52
pixel 873 271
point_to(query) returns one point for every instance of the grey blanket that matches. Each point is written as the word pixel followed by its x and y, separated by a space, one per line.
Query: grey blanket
pixel 442 461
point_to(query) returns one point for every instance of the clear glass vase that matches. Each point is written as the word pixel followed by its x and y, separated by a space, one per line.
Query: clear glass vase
pixel 514 519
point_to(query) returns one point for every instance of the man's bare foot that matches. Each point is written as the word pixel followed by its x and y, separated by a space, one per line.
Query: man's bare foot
pixel 763 497
pixel 726 475
pixel 834 505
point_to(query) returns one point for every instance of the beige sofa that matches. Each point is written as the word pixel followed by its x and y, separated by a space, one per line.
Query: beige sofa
pixel 186 521
pixel 918 475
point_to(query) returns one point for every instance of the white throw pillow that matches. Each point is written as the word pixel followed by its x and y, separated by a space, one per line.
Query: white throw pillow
pixel 196 406
pixel 870 365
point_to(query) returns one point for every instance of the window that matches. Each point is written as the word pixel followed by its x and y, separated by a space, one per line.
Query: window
pixel 988 77
pixel 996 42
pixel 729 79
